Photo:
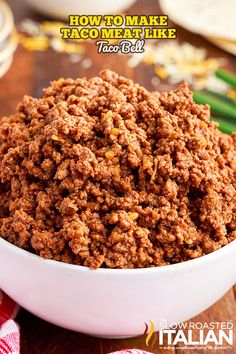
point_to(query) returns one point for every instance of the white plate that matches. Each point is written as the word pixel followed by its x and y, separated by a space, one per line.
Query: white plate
pixel 6 21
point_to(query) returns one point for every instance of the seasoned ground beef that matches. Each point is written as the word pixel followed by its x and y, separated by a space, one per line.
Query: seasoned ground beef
pixel 103 173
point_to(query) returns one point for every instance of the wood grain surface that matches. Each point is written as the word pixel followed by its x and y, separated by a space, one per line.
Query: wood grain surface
pixel 32 71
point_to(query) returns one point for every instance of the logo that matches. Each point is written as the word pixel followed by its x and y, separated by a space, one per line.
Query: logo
pixel 190 335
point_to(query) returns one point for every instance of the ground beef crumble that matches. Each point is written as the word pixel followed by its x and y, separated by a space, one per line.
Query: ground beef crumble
pixel 103 173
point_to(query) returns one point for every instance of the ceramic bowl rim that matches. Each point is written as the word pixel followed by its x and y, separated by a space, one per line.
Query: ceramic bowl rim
pixel 8 22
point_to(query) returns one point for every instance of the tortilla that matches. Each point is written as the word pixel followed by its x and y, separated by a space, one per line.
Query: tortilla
pixel 228 46
pixel 213 18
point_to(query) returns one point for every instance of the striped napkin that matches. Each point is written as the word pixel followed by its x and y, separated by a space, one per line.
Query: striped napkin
pixel 9 330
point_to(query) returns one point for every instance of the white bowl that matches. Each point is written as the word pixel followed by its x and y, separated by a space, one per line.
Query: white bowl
pixel 8 47
pixel 62 8
pixel 6 21
pixel 113 302
pixel 5 65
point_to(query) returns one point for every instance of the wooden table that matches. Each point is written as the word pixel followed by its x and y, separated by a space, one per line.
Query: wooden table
pixel 30 72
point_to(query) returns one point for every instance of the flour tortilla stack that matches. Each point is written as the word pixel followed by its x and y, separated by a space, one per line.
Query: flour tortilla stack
pixel 228 46
pixel 214 19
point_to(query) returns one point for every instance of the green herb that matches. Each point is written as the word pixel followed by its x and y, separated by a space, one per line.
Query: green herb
pixel 217 106
pixel 226 76
pixel 225 126
pixel 222 97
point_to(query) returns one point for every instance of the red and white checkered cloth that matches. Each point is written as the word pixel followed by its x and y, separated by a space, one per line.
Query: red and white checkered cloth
pixel 9 330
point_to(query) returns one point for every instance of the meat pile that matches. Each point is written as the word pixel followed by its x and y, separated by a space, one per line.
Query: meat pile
pixel 104 173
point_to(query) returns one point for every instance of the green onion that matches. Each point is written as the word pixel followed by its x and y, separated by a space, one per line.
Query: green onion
pixel 217 106
pixel 222 97
pixel 226 76
pixel 224 126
